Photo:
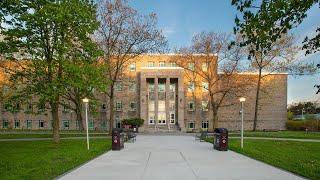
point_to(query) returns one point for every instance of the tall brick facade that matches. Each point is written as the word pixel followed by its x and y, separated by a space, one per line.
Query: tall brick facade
pixel 155 89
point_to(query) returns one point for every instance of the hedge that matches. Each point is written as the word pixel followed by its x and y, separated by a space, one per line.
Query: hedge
pixel 311 125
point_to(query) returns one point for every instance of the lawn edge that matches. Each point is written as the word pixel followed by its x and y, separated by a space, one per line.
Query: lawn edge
pixel 79 166
pixel 299 175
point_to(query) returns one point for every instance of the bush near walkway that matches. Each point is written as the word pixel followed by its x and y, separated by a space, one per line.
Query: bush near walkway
pixel 311 125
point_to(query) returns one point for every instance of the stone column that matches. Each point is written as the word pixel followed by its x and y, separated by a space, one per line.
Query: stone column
pixel 181 103
pixel 156 102
pixel 143 101
pixel 167 99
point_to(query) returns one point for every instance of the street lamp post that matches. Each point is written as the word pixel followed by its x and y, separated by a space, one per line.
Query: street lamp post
pixel 86 102
pixel 242 100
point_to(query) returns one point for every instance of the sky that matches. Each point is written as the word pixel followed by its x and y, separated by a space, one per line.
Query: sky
pixel 181 19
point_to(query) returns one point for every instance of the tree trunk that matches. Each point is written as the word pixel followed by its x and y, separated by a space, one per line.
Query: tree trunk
pixel 111 110
pixel 256 107
pixel 55 117
pixel 79 116
pixel 214 118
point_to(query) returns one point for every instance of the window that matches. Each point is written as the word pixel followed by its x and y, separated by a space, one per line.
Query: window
pixel 162 117
pixel 118 122
pixel 103 124
pixel 17 124
pixel 41 124
pixel 205 86
pixel 150 64
pixel 191 125
pixel 162 64
pixel 204 106
pixel 151 118
pixel 172 118
pixel 191 66
pixel 7 106
pixel 65 124
pixel 132 86
pixel 77 124
pixel 5 124
pixel 118 106
pixel 132 67
pixel 132 106
pixel 205 125
pixel 204 67
pixel 29 124
pixel 172 64
pixel 29 107
pixel 65 108
pixel 191 86
pixel 191 106
pixel 161 87
pixel 91 124
pixel 17 107
pixel 41 107
pixel 118 86
pixel 104 107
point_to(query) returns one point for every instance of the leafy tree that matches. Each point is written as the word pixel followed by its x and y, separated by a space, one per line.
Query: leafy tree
pixel 40 38
pixel 123 35
pixel 264 26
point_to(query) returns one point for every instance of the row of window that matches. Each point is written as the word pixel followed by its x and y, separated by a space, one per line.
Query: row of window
pixel 204 106
pixel 132 66
pixel 192 125
pixel 118 86
pixel 204 86
pixel 41 124
pixel 119 105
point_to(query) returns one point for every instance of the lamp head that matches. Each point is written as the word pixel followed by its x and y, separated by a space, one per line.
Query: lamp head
pixel 85 100
pixel 242 99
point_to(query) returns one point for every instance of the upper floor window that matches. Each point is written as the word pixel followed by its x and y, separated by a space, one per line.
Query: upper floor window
pixel 132 86
pixel 119 106
pixel 118 86
pixel 191 86
pixel 204 105
pixel 132 67
pixel 191 66
pixel 205 86
pixel 191 106
pixel 150 64
pixel 204 67
pixel 132 106
pixel 172 64
pixel 162 64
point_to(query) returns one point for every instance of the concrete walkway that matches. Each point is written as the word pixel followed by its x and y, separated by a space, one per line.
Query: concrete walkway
pixel 176 158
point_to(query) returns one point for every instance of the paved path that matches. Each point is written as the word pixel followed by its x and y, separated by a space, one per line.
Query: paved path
pixel 174 158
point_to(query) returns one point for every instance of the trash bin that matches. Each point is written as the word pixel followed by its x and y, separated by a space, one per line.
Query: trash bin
pixel 117 139
pixel 220 139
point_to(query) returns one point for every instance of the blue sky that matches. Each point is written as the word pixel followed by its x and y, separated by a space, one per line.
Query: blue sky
pixel 181 19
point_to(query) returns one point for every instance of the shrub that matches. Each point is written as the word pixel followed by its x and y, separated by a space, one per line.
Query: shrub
pixel 290 115
pixel 133 122
pixel 311 125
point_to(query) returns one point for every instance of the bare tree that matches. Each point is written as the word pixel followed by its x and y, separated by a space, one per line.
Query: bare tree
pixel 213 63
pixel 123 35
pixel 281 57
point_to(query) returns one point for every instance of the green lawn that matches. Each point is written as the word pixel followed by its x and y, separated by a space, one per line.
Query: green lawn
pixel 302 158
pixel 45 160
pixel 282 134
pixel 21 136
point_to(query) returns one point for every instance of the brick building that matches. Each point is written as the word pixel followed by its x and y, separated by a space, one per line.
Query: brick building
pixel 157 90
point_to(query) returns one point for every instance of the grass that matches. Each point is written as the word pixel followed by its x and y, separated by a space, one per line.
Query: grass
pixel 45 160
pixel 29 135
pixel 281 134
pixel 302 158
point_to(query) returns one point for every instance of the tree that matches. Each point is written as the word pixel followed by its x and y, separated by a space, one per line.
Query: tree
pixel 40 37
pixel 212 64
pixel 124 35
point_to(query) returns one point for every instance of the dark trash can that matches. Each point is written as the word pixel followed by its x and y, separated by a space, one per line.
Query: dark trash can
pixel 220 139
pixel 117 139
